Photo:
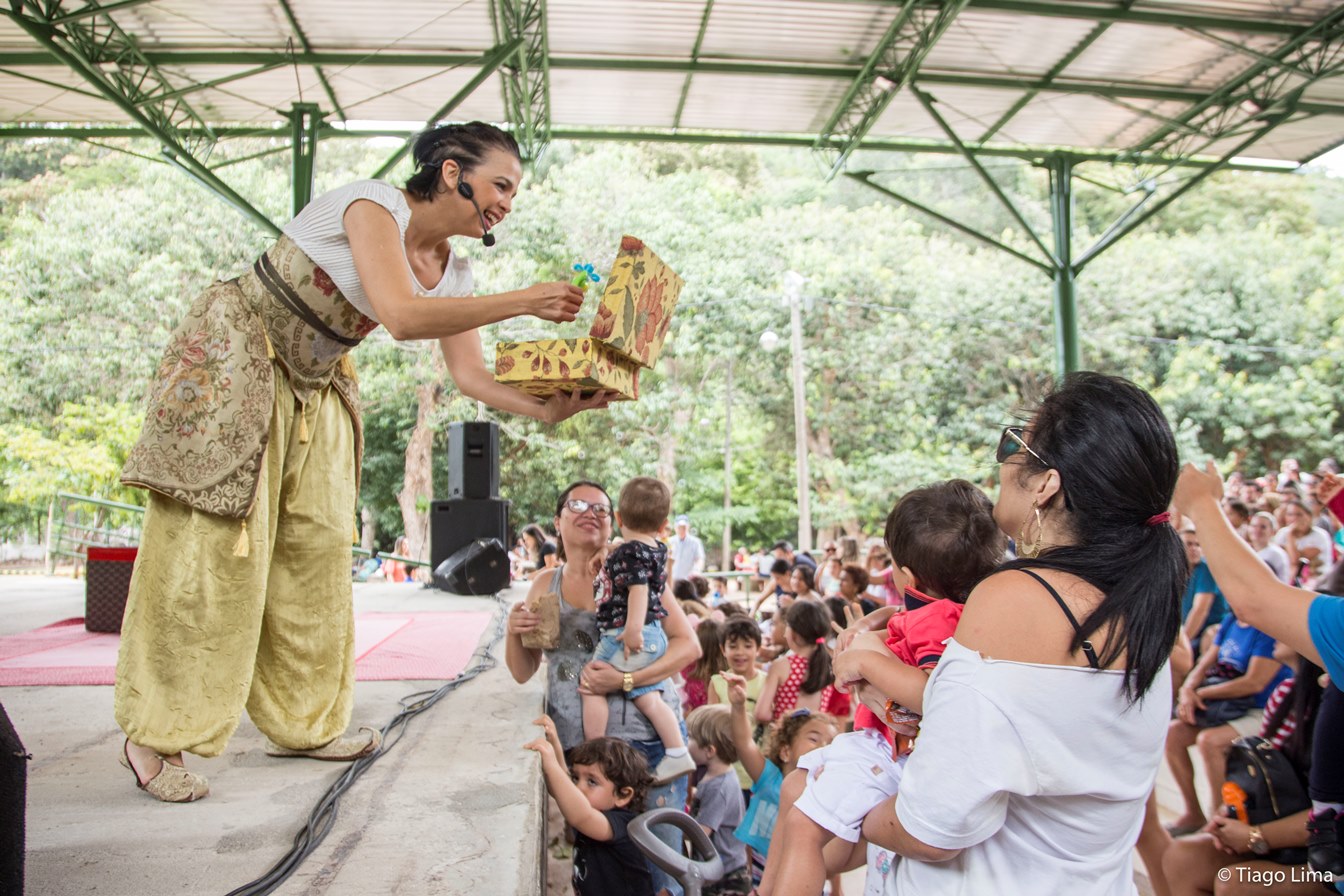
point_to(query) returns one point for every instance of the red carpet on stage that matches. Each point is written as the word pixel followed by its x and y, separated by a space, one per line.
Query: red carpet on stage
pixel 388 647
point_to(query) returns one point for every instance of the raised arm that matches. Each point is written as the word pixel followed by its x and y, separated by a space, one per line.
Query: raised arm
pixel 380 260
pixel 574 806
pixel 1256 596
pixel 750 755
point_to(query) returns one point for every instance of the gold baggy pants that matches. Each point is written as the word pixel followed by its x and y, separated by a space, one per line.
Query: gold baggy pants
pixel 207 633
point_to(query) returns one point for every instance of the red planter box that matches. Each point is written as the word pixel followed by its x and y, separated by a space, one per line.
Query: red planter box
pixel 106 587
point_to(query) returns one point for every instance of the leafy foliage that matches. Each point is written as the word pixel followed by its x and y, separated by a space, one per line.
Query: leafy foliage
pixel 919 343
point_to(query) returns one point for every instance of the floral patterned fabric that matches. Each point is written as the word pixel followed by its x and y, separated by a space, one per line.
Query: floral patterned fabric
pixel 208 421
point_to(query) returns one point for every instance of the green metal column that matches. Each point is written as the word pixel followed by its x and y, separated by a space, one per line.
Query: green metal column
pixel 1066 308
pixel 304 121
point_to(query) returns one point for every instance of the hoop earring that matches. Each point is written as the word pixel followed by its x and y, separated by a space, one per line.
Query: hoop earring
pixel 1026 548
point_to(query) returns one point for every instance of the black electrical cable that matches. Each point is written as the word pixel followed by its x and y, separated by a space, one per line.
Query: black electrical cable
pixel 323 816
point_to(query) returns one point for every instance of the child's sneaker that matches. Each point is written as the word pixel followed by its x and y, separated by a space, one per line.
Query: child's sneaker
pixel 673 767
pixel 1325 852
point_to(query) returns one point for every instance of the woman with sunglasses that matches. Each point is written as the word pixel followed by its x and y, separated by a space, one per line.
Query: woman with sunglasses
pixel 1044 722
pixel 583 527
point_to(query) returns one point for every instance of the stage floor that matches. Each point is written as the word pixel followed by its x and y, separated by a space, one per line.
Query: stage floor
pixel 455 806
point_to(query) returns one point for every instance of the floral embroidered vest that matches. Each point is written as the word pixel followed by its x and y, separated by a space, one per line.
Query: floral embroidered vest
pixel 208 423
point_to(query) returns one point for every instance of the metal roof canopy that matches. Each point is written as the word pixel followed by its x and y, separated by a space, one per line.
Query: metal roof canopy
pixel 1162 92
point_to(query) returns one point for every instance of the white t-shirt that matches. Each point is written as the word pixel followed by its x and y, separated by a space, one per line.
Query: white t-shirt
pixel 319 230
pixel 1316 538
pixel 1276 558
pixel 1038 774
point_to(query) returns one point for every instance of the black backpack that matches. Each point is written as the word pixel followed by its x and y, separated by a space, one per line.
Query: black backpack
pixel 1261 786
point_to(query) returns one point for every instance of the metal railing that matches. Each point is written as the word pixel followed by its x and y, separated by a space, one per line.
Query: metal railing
pixel 76 523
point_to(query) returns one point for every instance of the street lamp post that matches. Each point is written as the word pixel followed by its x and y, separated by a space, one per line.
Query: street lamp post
pixel 793 295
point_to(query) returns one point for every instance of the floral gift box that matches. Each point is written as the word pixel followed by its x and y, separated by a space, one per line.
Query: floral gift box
pixel 628 333
pixel 546 366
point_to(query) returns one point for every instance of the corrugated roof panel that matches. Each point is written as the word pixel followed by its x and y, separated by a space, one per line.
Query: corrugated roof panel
pixel 413 94
pixel 255 99
pixel 201 23
pixel 407 25
pixel 1160 55
pixel 829 33
pixel 1294 140
pixel 1305 11
pixel 1061 119
pixel 757 103
pixel 968 111
pixel 650 28
pixel 22 100
pixel 595 99
pixel 982 41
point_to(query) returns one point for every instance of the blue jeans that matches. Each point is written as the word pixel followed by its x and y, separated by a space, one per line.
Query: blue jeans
pixel 610 649
pixel 671 795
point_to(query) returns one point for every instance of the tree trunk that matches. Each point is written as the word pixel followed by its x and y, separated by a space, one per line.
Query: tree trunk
pixel 417 488
pixel 368 528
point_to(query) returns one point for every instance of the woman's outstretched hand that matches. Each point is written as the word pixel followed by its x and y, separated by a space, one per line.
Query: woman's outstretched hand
pixel 1195 485
pixel 555 301
pixel 563 405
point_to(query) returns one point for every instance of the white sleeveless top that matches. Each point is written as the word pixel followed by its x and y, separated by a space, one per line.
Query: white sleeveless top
pixel 319 230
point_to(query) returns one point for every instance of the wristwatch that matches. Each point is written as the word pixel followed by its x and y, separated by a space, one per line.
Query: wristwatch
pixel 1255 841
pixel 627 682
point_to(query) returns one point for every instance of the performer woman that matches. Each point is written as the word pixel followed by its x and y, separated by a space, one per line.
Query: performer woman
pixel 251 448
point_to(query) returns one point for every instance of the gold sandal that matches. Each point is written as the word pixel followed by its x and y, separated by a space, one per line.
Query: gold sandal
pixel 346 748
pixel 172 784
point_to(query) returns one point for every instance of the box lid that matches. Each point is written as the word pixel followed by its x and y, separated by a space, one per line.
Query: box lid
pixel 637 304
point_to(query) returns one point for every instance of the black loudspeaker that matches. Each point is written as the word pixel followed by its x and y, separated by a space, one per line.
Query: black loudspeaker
pixel 473 460
pixel 481 567
pixel 13 805
pixel 457 523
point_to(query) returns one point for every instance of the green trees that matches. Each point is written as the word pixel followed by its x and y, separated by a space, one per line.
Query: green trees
pixel 918 343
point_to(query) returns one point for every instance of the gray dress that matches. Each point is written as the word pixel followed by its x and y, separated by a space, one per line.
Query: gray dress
pixel 578 640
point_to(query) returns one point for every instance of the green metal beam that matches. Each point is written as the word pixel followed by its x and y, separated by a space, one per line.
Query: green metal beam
pixel 865 177
pixel 1162 92
pixel 928 103
pixel 1109 12
pixel 695 57
pixel 527 82
pixel 85 45
pixel 889 68
pixel 308 48
pixel 94 9
pixel 304 121
pixel 1113 236
pixel 1067 353
pixel 663 135
pixel 207 85
pixel 46 83
pixel 1261 82
pixel 489 63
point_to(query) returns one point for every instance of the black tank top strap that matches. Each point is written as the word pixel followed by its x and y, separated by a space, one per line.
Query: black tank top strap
pixel 1073 621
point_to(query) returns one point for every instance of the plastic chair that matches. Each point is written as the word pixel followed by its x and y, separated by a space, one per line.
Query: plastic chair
pixel 689 872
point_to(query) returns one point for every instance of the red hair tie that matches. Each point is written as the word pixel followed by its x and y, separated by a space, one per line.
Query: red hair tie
pixel 821 640
pixel 1157 519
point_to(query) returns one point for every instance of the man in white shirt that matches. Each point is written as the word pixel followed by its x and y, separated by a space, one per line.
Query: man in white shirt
pixel 688 552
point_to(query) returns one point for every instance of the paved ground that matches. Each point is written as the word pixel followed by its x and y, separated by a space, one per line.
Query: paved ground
pixel 453 807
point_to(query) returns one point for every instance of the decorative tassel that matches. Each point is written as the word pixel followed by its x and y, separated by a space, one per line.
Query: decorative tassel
pixel 348 367
pixel 240 547
pixel 270 349
pixel 303 425
pixel 354 539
